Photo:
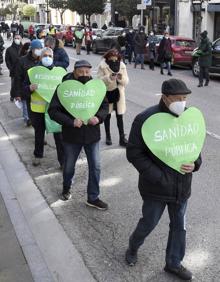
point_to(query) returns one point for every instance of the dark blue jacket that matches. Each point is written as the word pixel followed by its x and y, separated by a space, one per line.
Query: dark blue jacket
pixel 60 58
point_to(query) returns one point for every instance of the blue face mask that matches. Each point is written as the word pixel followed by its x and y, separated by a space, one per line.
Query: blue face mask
pixel 47 61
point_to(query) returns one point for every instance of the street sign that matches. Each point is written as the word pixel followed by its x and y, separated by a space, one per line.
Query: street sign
pixel 147 2
pixel 141 6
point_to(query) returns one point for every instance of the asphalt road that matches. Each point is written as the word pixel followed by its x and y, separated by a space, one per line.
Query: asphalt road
pixel 102 237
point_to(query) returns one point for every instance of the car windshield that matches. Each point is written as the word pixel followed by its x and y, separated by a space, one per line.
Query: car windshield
pixel 185 43
pixel 216 46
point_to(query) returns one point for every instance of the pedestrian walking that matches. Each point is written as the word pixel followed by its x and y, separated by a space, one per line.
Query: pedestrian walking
pixel 165 53
pixel 52 30
pixel 130 44
pixel 152 49
pixel 21 30
pixel 114 74
pixel 122 45
pixel 77 135
pixel 160 185
pixel 31 32
pixel 60 57
pixel 205 58
pixel 21 75
pixel 88 39
pixel 78 35
pixel 140 41
pixel 14 28
pixel 2 48
pixel 11 59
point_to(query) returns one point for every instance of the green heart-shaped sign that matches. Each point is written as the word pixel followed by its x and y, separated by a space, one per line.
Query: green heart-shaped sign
pixel 175 140
pixel 82 101
pixel 79 34
pixel 47 80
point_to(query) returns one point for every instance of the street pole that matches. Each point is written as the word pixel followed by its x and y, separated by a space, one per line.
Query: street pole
pixel 142 16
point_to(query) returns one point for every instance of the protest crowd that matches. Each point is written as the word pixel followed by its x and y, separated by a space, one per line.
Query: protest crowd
pixel 72 106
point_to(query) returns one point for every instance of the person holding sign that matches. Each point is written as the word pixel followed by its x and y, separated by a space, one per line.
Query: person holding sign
pixel 78 35
pixel 79 106
pixel 39 78
pixel 160 183
pixel 114 74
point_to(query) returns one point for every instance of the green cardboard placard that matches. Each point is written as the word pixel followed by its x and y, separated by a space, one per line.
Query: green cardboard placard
pixel 175 140
pixel 82 101
pixel 79 34
pixel 47 80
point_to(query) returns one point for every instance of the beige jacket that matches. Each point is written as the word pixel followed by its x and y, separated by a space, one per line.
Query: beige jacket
pixel 104 73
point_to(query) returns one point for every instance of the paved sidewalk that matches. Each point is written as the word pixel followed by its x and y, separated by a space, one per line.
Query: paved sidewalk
pixel 13 265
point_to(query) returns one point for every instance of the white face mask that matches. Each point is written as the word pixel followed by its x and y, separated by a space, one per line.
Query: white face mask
pixel 151 33
pixel 47 61
pixel 166 37
pixel 177 107
pixel 37 52
pixel 130 30
pixel 17 41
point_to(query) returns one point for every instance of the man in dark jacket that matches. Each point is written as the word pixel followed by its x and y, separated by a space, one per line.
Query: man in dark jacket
pixel 205 59
pixel 165 53
pixel 140 41
pixel 1 52
pixel 77 135
pixel 60 58
pixel 11 58
pixel 130 44
pixel 160 185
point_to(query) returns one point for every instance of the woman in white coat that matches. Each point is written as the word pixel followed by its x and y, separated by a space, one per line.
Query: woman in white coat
pixel 114 74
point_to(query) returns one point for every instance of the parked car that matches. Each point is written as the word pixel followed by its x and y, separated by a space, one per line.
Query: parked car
pixel 182 49
pixel 97 32
pixel 106 40
pixel 215 68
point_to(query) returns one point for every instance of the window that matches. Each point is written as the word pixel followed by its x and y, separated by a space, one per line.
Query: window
pixel 217 45
pixel 185 43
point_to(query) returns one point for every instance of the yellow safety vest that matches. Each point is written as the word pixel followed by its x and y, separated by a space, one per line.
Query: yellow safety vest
pixel 52 31
pixel 38 104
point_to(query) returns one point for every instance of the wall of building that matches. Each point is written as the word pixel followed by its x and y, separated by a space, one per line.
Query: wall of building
pixel 185 19
pixel 208 22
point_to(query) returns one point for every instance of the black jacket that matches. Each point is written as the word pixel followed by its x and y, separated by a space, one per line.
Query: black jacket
pixel 156 179
pixel 140 41
pixel 164 49
pixel 24 64
pixel 87 134
pixel 11 57
pixel 1 49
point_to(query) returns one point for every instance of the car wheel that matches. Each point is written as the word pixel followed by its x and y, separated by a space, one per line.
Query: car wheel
pixel 195 67
pixel 94 48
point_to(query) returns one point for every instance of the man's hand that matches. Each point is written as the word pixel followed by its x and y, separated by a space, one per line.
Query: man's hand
pixel 18 99
pixel 77 123
pixel 33 87
pixel 93 121
pixel 187 168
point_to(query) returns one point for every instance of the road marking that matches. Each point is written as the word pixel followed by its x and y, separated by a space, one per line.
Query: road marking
pixel 216 136
pixel 158 94
pixel 2 83
pixel 4 93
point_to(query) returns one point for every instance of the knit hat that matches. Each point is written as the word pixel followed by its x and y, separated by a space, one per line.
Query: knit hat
pixel 174 87
pixel 204 34
pixel 36 44
pixel 81 64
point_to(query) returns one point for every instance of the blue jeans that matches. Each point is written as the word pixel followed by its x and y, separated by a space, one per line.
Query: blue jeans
pixel 166 65
pixel 139 59
pixel 152 211
pixel 72 152
pixel 25 110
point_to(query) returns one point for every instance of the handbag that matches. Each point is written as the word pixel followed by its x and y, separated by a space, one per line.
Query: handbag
pixel 113 96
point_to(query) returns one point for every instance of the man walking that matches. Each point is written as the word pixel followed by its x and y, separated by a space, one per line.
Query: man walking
pixel 205 59
pixel 160 185
pixel 140 41
pixel 165 53
pixel 77 135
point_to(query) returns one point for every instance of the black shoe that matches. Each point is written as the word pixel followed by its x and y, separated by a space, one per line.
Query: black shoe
pixel 131 257
pixel 142 67
pixel 123 141
pixel 45 142
pixel 11 99
pixel 135 65
pixel 206 83
pixel 28 123
pixel 161 72
pixel 98 204
pixel 170 74
pixel 66 195
pixel 200 85
pixel 181 272
pixel 108 140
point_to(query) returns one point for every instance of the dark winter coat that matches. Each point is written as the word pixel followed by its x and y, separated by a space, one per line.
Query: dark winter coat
pixel 130 38
pixel 164 50
pixel 140 41
pixel 11 57
pixel 156 180
pixel 24 64
pixel 60 57
pixel 1 49
pixel 152 46
pixel 87 134
pixel 205 59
